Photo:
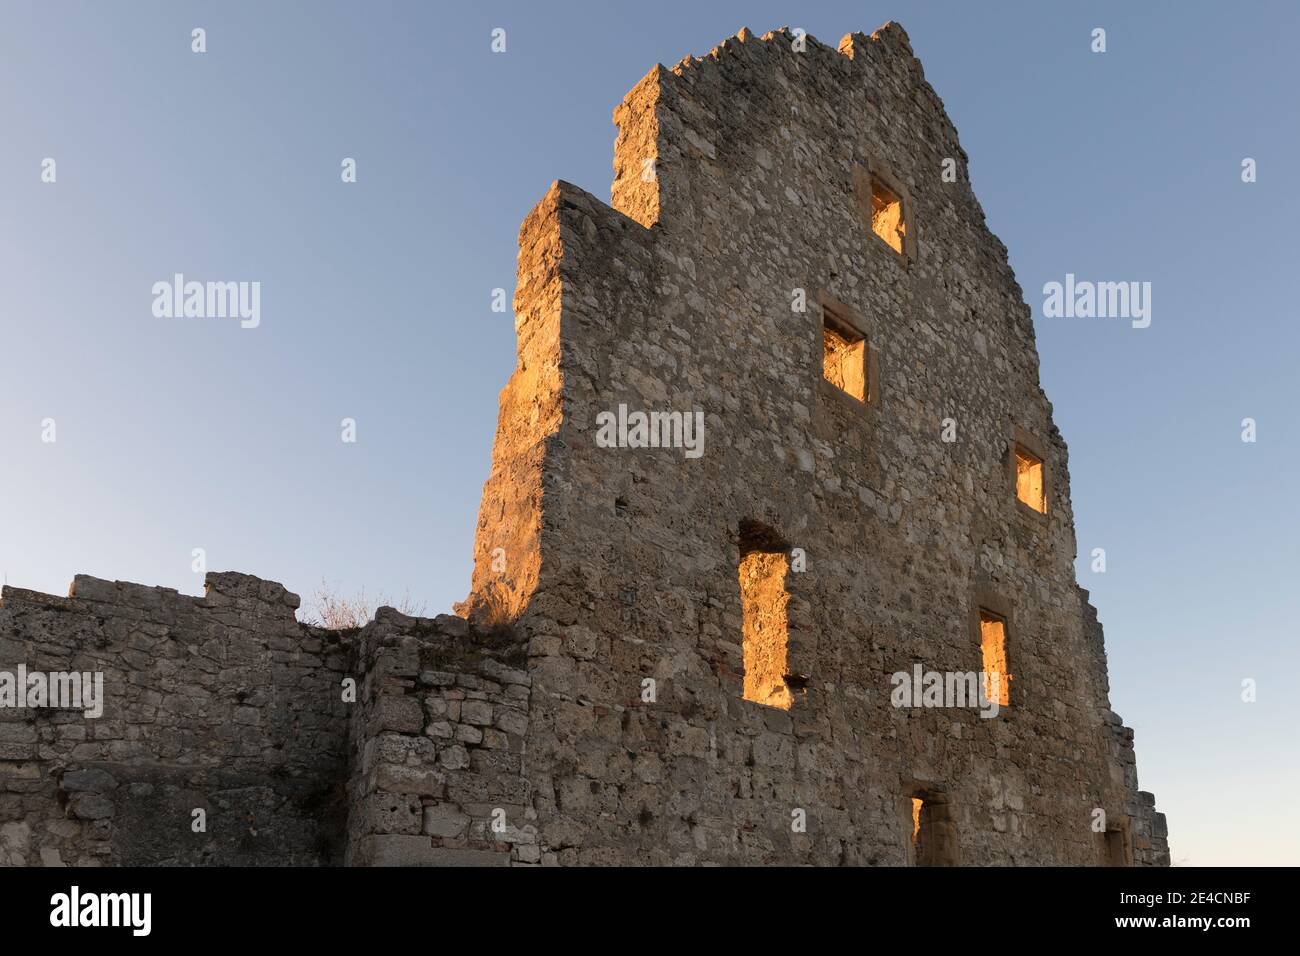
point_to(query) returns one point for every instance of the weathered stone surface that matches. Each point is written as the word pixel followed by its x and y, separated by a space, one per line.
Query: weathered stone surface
pixel 445 820
pixel 394 779
pixel 744 230
pixel 395 850
pixel 466 857
pixel 590 708
pixel 477 712
pixel 392 813
pixel 399 713
pixel 224 703
pixel 97 781
pixel 89 806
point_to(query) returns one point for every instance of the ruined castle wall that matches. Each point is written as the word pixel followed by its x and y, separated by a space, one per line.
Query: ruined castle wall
pixel 1149 832
pixel 399 743
pixel 223 703
pixel 437 740
pixel 591 709
pixel 508 542
pixel 681 300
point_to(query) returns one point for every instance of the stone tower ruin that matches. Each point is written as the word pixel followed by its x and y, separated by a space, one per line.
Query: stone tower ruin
pixel 774 446
pixel 783 255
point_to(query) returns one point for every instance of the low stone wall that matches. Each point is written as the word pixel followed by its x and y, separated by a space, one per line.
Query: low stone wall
pixel 233 734
pixel 223 704
pixel 438 747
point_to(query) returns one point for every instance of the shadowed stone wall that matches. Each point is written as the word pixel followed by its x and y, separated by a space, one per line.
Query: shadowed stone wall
pixel 401 743
pixel 439 777
pixel 223 703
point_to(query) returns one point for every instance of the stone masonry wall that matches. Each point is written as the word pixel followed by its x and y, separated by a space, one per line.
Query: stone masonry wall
pixel 588 707
pixel 438 744
pixel 738 188
pixel 223 703
pixel 401 743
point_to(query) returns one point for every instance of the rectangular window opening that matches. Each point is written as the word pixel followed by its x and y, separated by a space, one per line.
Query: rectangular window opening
pixel 934 835
pixel 764 624
pixel 993 644
pixel 887 215
pixel 1116 847
pixel 1029 480
pixel 844 357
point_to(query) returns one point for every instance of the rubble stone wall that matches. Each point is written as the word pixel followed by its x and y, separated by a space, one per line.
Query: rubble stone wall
pixel 438 748
pixel 399 743
pixel 588 706
pixel 223 704
pixel 741 214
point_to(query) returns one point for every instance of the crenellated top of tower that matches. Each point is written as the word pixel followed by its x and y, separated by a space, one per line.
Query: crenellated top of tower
pixel 891 37
pixel 752 97
pixel 761 131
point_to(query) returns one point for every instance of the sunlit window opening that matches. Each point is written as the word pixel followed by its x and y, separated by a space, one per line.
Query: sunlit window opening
pixel 993 643
pixel 765 627
pixel 844 358
pixel 1029 480
pixel 887 215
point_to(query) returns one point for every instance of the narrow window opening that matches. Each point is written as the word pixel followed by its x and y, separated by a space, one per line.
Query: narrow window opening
pixel 1029 480
pixel 765 627
pixel 887 215
pixel 1115 848
pixel 934 834
pixel 844 356
pixel 993 644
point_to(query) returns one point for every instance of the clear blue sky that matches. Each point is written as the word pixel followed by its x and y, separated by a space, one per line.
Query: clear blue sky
pixel 177 434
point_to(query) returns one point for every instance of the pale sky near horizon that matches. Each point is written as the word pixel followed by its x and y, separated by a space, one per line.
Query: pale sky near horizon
pixel 177 434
